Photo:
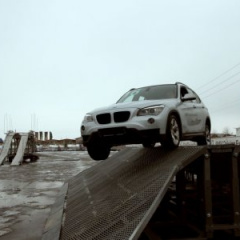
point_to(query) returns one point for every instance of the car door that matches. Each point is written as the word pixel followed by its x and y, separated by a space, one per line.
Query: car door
pixel 190 112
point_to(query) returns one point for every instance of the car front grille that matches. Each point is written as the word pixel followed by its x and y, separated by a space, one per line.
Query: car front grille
pixel 118 117
pixel 104 118
pixel 121 116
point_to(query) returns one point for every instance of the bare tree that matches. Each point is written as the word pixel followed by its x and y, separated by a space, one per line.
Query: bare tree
pixel 226 131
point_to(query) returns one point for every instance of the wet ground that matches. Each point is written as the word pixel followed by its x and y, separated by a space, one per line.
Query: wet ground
pixel 28 191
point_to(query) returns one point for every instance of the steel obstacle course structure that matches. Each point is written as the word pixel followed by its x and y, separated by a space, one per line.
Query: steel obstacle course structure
pixel 18 147
pixel 152 194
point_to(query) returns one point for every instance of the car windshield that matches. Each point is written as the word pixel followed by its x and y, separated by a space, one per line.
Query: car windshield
pixel 150 93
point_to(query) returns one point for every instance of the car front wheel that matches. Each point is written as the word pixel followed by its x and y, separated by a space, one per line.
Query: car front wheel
pixel 98 150
pixel 172 139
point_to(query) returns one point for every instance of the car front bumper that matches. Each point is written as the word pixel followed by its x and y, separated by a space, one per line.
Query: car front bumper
pixel 123 135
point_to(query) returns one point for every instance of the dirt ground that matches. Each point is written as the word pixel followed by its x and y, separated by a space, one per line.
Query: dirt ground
pixel 28 191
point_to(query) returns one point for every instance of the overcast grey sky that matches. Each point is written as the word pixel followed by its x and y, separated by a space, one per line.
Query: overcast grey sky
pixel 60 59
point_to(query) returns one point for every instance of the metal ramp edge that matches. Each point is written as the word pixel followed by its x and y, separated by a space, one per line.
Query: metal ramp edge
pixel 20 151
pixel 116 198
pixel 6 147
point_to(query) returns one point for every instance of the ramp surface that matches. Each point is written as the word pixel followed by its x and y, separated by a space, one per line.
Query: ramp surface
pixel 6 147
pixel 21 148
pixel 116 198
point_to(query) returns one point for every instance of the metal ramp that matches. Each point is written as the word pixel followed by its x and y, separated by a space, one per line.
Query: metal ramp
pixel 116 198
pixel 6 147
pixel 17 147
pixel 17 160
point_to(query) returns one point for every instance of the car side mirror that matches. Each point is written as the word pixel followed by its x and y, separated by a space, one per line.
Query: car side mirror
pixel 188 97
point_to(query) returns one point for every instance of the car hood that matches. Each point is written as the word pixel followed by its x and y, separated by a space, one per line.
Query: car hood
pixel 136 105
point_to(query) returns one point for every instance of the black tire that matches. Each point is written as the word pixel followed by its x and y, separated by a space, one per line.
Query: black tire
pixel 206 139
pixel 173 133
pixel 98 150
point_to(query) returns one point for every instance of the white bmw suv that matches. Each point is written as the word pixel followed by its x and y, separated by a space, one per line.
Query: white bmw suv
pixel 165 113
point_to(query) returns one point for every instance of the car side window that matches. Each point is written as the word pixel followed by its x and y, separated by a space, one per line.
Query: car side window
pixel 197 100
pixel 183 91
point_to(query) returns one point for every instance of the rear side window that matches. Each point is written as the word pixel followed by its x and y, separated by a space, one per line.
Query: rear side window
pixel 185 90
pixel 197 100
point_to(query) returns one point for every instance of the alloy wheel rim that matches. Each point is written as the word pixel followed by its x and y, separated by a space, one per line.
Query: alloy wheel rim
pixel 175 132
pixel 208 136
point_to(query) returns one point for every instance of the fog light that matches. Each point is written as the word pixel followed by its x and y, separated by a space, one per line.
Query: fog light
pixel 82 128
pixel 151 120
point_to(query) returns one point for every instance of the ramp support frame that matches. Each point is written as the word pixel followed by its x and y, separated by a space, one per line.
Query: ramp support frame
pixel 223 159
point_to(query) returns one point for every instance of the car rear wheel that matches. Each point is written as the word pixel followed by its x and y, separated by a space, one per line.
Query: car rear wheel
pixel 206 139
pixel 173 133
pixel 98 150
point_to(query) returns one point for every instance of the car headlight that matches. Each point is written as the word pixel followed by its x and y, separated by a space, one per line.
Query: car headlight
pixel 88 118
pixel 152 111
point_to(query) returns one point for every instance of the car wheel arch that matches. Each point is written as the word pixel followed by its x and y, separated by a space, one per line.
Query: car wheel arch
pixel 206 138
pixel 176 114
pixel 208 122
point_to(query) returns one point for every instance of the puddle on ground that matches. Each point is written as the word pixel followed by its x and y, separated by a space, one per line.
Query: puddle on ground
pixel 12 184
pixel 21 199
pixel 27 192
pixel 10 213
pixel 5 231
pixel 45 185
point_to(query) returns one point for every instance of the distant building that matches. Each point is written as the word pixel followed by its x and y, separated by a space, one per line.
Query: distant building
pixel 43 136
pixel 222 139
pixel 237 132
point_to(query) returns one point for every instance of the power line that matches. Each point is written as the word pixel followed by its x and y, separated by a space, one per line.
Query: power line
pixel 223 88
pixel 222 82
pixel 214 79
pixel 228 105
pixel 234 75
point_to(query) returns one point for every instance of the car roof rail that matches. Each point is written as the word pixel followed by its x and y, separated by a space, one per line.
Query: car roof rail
pixel 181 83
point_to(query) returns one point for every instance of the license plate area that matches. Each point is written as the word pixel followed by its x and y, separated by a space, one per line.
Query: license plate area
pixel 112 131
